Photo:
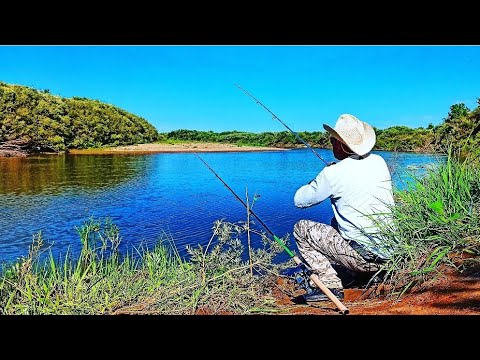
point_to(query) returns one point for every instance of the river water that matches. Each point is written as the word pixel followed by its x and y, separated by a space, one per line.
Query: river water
pixel 160 195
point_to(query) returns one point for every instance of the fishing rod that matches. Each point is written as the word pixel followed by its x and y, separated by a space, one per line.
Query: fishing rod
pixel 297 260
pixel 277 118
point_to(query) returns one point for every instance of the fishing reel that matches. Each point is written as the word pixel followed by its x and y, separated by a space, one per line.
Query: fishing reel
pixel 301 275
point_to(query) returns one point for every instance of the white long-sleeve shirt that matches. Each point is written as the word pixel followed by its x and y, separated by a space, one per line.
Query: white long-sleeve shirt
pixel 357 188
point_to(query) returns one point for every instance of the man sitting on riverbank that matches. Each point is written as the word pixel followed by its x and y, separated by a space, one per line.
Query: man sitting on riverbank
pixel 359 187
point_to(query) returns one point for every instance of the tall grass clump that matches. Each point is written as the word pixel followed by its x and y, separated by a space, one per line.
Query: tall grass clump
pixel 102 280
pixel 436 223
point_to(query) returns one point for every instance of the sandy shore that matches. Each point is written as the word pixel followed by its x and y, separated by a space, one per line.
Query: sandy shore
pixel 174 148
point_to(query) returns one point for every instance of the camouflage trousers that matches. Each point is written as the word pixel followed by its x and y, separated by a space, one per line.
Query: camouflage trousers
pixel 320 246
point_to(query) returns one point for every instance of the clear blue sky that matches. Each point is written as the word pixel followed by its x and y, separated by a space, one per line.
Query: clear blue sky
pixel 191 87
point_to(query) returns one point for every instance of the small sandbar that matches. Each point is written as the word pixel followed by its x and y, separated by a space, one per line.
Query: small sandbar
pixel 174 148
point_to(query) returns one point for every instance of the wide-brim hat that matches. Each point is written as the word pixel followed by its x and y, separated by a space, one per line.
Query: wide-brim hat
pixel 356 134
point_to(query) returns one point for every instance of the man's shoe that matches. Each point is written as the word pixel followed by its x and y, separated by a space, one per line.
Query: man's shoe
pixel 318 295
pixel 293 272
pixel 300 276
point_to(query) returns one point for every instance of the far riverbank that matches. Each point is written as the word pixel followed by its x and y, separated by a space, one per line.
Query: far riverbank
pixel 174 148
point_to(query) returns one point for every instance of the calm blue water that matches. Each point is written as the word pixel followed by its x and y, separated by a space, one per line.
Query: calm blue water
pixel 146 195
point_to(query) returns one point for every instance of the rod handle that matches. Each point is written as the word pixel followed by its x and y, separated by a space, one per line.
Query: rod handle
pixel 343 309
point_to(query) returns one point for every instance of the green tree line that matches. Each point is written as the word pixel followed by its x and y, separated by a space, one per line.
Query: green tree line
pixel 58 123
pixel 460 127
pixel 272 139
pixel 397 138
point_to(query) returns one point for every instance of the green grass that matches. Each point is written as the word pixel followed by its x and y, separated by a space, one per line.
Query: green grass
pixel 102 281
pixel 436 219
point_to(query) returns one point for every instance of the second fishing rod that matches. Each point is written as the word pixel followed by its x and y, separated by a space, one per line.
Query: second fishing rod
pixel 277 118
pixel 342 308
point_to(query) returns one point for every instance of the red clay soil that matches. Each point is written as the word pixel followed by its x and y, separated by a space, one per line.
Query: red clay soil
pixel 453 294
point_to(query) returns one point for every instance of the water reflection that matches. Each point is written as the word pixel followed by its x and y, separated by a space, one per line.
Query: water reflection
pixel 53 174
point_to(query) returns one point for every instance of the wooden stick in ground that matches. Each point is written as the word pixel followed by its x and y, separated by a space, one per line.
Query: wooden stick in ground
pixel 248 231
pixel 343 309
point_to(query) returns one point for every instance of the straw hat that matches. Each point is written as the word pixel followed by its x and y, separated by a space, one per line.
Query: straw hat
pixel 357 135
